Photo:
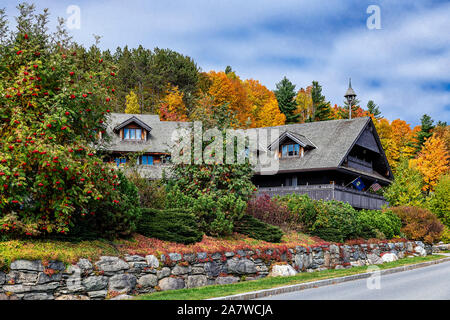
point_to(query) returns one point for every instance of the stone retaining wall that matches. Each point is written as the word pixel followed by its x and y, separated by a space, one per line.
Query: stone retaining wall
pixel 114 277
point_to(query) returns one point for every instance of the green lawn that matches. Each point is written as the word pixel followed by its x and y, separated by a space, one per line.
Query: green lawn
pixel 271 282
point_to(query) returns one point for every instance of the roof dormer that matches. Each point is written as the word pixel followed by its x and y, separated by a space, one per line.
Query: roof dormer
pixel 133 129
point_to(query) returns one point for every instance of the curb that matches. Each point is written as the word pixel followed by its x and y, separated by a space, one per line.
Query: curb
pixel 325 282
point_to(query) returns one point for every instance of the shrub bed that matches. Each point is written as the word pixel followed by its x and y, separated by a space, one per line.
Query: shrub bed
pixel 419 224
pixel 174 225
pixel 258 229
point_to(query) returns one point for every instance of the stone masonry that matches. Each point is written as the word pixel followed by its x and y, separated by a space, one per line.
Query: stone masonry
pixel 115 277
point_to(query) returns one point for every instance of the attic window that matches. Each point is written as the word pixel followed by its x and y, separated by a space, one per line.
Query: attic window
pixel 290 150
pixel 132 134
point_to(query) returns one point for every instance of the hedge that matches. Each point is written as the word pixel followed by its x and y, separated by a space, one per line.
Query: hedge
pixel 258 229
pixel 175 225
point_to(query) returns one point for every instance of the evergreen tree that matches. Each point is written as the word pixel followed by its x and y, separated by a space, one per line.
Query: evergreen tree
pixel 373 109
pixel 321 108
pixel 285 94
pixel 425 131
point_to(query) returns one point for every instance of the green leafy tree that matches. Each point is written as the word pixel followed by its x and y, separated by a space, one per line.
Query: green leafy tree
pixel 285 94
pixel 406 188
pixel 51 111
pixel 439 200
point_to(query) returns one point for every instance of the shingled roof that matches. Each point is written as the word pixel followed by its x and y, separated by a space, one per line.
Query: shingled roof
pixel 159 140
pixel 330 141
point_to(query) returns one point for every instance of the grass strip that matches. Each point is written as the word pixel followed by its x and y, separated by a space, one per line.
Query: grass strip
pixel 215 291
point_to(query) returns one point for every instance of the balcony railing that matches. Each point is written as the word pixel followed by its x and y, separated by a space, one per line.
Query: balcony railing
pixel 356 198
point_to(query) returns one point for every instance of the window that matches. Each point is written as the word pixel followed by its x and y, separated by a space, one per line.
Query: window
pixel 120 161
pixel 290 150
pixel 132 134
pixel 147 160
pixel 165 159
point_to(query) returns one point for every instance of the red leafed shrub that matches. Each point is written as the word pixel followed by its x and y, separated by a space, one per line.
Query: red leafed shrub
pixel 419 224
pixel 269 210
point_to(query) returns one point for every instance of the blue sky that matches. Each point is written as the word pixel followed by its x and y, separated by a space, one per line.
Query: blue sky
pixel 404 66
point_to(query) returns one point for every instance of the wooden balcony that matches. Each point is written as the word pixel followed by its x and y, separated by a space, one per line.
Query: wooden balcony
pixel 357 199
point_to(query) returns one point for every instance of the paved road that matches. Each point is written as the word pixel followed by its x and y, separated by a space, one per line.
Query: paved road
pixel 431 282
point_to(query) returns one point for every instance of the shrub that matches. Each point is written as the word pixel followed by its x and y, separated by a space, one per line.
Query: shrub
pixel 439 200
pixel 419 224
pixel 445 237
pixel 336 221
pixel 378 224
pixel 258 229
pixel 217 194
pixel 302 207
pixel 152 193
pixel 176 225
pixel 269 210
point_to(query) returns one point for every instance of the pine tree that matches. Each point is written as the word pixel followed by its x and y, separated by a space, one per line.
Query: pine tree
pixel 322 108
pixel 373 109
pixel 425 131
pixel 285 94
pixel 132 103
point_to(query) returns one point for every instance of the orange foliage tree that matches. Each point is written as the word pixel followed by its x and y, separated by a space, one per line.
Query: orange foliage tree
pixel 229 89
pixel 263 105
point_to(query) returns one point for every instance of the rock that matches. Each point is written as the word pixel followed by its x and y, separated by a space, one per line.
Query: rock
pixel 148 281
pixel 189 257
pixel 202 255
pixel 179 270
pixel 262 268
pixel 101 294
pixel 327 259
pixel 226 280
pixel 374 259
pixel 95 283
pixel 50 287
pixel 22 277
pixel 197 270
pixel 216 256
pixel 164 272
pixel 85 265
pixel 420 250
pixel 212 269
pixel 298 261
pixel 409 247
pixel 152 261
pixel 2 277
pixel 38 296
pixel 171 284
pixel 389 257
pixel 282 271
pixel 339 266
pixel 242 266
pixel 196 281
pixel 35 265
pixel 72 297
pixel 111 264
pixel 16 288
pixel 229 254
pixel 56 265
pixel 134 258
pixel 123 283
pixel 4 296
pixel 122 297
pixel 45 278
pixel 175 256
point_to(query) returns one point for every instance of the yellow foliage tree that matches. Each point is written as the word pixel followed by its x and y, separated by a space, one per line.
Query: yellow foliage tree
pixel 304 104
pixel 132 104
pixel 432 162
pixel 172 107
pixel 263 105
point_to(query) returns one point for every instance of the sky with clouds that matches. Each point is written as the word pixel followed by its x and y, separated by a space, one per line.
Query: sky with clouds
pixel 404 66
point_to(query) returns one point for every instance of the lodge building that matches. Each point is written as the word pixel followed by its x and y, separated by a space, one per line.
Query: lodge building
pixel 331 160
